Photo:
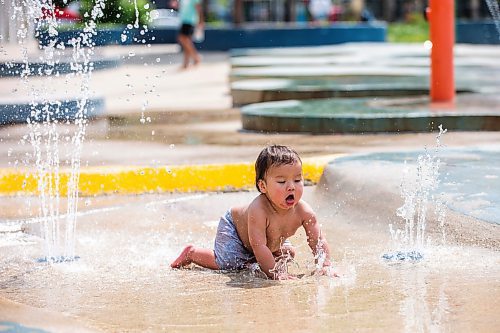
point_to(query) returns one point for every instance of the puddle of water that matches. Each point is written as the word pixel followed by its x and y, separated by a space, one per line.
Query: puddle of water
pixel 123 281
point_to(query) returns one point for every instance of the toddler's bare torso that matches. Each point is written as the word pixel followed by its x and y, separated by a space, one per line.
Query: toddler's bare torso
pixel 279 227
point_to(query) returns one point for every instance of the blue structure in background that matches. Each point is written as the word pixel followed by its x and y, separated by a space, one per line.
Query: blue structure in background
pixel 65 110
pixel 40 68
pixel 477 32
pixel 108 36
pixel 230 38
pixel 226 38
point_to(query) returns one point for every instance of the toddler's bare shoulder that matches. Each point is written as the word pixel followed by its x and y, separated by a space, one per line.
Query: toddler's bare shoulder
pixel 305 208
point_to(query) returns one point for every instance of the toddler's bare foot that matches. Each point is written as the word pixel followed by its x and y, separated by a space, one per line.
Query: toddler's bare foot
pixel 184 258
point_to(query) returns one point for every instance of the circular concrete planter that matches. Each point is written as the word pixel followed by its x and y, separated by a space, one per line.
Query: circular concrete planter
pixel 363 115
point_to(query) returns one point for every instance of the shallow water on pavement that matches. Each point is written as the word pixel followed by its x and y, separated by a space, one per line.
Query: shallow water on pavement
pixel 122 281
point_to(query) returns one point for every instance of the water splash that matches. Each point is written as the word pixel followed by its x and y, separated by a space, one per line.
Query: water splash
pixel 494 9
pixel 280 270
pixel 418 189
pixel 319 262
pixel 136 23
pixel 320 256
pixel 44 126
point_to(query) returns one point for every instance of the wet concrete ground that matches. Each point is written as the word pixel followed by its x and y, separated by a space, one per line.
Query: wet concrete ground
pixel 216 139
pixel 122 281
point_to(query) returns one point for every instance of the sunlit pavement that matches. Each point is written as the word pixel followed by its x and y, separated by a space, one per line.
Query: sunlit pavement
pixel 156 114
pixel 131 263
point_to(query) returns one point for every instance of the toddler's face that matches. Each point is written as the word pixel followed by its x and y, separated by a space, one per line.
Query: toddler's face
pixel 284 185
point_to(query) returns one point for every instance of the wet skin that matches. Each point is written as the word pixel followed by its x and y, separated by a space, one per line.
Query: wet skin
pixel 276 214
pixel 271 218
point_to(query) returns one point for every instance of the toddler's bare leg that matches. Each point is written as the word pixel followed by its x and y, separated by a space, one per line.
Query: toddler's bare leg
pixel 199 256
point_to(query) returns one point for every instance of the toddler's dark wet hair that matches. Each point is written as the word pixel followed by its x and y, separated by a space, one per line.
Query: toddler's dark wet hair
pixel 273 155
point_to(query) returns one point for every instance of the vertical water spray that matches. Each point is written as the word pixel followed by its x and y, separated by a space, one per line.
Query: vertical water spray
pixel 45 117
pixel 418 189
pixel 136 23
pixel 43 134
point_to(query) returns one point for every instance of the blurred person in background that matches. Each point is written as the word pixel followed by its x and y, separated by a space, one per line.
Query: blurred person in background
pixel 191 17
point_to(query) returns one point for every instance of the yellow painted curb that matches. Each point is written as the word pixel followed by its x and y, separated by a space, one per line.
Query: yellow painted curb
pixel 135 180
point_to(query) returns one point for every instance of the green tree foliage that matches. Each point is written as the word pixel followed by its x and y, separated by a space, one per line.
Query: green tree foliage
pixel 118 11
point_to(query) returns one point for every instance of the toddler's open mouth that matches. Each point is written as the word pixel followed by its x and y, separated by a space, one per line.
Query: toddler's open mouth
pixel 290 199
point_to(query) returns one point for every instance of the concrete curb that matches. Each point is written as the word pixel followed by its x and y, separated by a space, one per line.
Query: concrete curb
pixel 137 180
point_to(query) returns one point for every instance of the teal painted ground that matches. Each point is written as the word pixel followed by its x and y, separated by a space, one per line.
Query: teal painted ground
pixel 343 83
pixel 469 178
pixel 354 107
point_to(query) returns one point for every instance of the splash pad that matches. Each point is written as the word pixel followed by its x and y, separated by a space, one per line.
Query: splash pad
pixel 126 245
pixel 122 281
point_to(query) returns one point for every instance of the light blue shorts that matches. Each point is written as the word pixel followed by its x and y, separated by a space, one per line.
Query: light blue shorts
pixel 230 253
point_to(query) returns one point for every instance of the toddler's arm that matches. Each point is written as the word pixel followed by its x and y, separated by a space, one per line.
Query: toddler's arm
pixel 316 241
pixel 258 241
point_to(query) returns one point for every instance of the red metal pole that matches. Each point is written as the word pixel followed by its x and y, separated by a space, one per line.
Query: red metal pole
pixel 442 33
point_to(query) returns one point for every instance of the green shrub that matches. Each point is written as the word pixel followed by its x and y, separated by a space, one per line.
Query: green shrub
pixel 414 29
pixel 118 11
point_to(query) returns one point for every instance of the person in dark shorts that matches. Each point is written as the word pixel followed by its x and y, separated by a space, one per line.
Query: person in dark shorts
pixel 191 15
